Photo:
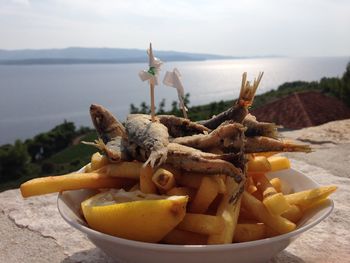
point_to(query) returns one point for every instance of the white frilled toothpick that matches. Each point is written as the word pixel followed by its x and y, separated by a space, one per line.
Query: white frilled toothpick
pixel 173 79
pixel 151 75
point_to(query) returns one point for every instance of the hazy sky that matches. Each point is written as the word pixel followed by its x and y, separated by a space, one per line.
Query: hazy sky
pixel 236 27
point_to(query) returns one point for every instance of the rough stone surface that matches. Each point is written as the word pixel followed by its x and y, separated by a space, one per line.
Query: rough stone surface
pixel 32 230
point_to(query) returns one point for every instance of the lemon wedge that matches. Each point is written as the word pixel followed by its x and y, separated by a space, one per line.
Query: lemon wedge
pixel 134 215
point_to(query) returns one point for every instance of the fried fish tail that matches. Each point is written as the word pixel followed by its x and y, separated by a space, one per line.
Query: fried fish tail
pixel 239 110
pixel 265 144
pixel 257 128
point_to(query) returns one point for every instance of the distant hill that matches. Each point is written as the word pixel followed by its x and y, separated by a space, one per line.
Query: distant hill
pixel 79 55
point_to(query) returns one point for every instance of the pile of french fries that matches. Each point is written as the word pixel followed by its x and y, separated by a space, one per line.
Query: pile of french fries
pixel 211 218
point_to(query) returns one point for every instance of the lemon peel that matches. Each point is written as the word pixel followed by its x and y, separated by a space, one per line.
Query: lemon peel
pixel 134 215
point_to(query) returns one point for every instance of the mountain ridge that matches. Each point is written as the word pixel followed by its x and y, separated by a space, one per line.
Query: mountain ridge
pixel 80 55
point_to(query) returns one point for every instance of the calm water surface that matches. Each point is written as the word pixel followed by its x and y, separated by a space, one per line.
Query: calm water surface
pixel 36 98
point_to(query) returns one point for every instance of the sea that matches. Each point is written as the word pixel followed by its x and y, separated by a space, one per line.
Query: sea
pixel 36 98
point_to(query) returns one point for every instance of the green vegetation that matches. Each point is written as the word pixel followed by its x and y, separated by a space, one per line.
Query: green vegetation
pixel 337 87
pixel 58 151
pixel 47 153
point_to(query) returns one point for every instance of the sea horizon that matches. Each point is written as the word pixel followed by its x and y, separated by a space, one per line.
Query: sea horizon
pixel 37 98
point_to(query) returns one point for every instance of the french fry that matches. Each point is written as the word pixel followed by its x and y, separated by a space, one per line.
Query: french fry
pixel 182 191
pixel 192 180
pixel 257 208
pixel 73 181
pixel 122 170
pixel 220 179
pixel 293 213
pixel 146 184
pixel 309 197
pixel 258 164
pixel 249 232
pixel 250 185
pixel 202 224
pixel 245 215
pixel 181 237
pixel 163 179
pixel 205 195
pixel 278 163
pixel 98 161
pixel 269 232
pixel 275 202
pixel 277 184
pixel 229 212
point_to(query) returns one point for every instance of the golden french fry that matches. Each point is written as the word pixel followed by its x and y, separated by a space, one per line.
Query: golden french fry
pixel 229 211
pixel 278 163
pixel 181 237
pixel 73 181
pixel 146 184
pixel 293 214
pixel 269 232
pixel 245 215
pixel 277 184
pixel 257 208
pixel 249 232
pixel 182 191
pixel 163 179
pixel 259 164
pixel 202 224
pixel 250 185
pixel 205 195
pixel 275 202
pixel 221 183
pixel 310 197
pixel 98 161
pixel 122 170
pixel 192 180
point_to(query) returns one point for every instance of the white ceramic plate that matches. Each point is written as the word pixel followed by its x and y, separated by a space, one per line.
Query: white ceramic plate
pixel 128 251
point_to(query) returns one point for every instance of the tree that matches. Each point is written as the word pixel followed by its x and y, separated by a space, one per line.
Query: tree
pixel 346 84
pixel 144 108
pixel 134 109
pixel 14 161
pixel 161 107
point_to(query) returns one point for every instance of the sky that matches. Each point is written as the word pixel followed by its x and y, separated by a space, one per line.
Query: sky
pixel 226 27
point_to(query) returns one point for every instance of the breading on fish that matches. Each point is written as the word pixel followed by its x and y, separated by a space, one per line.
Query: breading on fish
pixel 111 132
pixel 193 160
pixel 257 128
pixel 179 127
pixel 229 136
pixel 106 125
pixel 151 137
pixel 265 144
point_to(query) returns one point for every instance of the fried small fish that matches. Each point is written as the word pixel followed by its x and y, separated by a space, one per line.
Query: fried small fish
pixel 257 128
pixel 239 110
pixel 150 136
pixel 265 144
pixel 230 136
pixel 106 125
pixel 179 127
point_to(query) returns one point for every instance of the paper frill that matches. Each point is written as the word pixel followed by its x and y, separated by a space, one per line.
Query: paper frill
pixel 154 67
pixel 173 79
